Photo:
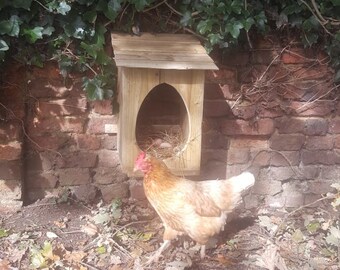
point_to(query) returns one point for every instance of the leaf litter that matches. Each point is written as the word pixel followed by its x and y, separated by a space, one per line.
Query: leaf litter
pixel 123 234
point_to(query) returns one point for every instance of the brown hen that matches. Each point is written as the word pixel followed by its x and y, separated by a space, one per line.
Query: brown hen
pixel 196 208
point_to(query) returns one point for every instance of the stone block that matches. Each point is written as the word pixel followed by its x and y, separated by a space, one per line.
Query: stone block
pixel 248 143
pixel 102 125
pixel 109 142
pixel 41 180
pixel 43 161
pixel 52 141
pixel 263 127
pixel 306 172
pixel 108 158
pixel 238 156
pixel 10 151
pixel 107 175
pixel 319 143
pixel 267 187
pixel 337 141
pixel 331 173
pixel 294 199
pixel 320 187
pixel 74 176
pixel 287 142
pixel 85 193
pixel 277 201
pixel 276 173
pixel 250 201
pixel 285 158
pixel 261 158
pixel 214 154
pixel 10 206
pixel 10 189
pixel 114 191
pixel 214 170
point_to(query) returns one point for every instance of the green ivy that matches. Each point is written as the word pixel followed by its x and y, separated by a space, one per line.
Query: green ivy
pixel 75 32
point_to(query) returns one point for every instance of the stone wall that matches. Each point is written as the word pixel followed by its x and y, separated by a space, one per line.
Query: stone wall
pixel 271 111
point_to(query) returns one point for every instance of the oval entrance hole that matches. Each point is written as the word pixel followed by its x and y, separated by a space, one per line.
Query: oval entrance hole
pixel 162 127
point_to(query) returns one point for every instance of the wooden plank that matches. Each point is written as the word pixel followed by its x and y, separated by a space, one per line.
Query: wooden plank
pixel 159 47
pixel 166 65
pixel 164 57
pixel 149 36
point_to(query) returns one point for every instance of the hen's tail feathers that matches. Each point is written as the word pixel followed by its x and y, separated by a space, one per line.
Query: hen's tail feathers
pixel 242 182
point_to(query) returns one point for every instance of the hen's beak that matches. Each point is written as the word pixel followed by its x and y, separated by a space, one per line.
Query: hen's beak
pixel 135 169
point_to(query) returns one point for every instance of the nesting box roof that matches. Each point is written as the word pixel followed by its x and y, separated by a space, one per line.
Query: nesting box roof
pixel 161 51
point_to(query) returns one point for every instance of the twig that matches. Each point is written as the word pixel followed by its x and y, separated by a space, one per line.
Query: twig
pixel 328 197
pixel 39 205
pixel 89 265
pixel 155 6
pixel 127 225
pixel 174 10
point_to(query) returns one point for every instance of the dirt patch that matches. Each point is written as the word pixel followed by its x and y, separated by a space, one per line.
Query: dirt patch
pixel 122 235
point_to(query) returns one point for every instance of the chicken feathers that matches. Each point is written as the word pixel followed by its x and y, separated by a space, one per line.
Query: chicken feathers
pixel 196 208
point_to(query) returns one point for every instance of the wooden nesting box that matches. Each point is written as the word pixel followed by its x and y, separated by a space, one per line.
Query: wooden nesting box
pixel 161 84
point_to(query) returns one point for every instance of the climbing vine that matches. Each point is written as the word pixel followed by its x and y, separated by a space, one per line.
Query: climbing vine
pixel 75 33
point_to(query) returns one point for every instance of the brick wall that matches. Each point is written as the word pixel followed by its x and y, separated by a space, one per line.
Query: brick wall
pixel 284 128
pixel 261 113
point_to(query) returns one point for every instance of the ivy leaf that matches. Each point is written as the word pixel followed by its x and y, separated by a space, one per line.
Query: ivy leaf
pixel 34 34
pixel 101 250
pixel 90 16
pixel 336 2
pixel 63 8
pixel 236 6
pixel 3 233
pixel 248 23
pixel 101 218
pixel 234 29
pixel 139 4
pixel 94 91
pixel 204 26
pixel 3 47
pixel 214 38
pixel 10 27
pixel 37 259
pixel 48 31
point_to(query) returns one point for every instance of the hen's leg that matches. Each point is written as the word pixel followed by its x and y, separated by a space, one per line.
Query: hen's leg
pixel 202 253
pixel 155 256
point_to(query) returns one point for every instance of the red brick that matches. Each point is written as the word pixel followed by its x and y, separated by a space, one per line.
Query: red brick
pixel 334 126
pixel 314 73
pixel 316 127
pixel 80 159
pixel 297 56
pixel 238 156
pixel 47 88
pixel 69 106
pixel 244 111
pixel 248 143
pixel 287 142
pixel 320 157
pixel 216 108
pixel 47 142
pixel 102 124
pixel 264 57
pixel 223 75
pixel 85 193
pixel 321 108
pixel 319 143
pixel 10 170
pixel 63 124
pixel 102 107
pixel 50 70
pixel 108 158
pixel 214 154
pixel 74 176
pixel 337 141
pixel 41 180
pixel 10 131
pixel 240 127
pixel 290 125
pixel 235 58
pixel 10 151
pixel 87 142
pixel 270 113
pixel 108 175
pixel 218 91
pixel 285 158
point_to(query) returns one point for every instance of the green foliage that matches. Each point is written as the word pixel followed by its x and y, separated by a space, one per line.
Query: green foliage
pixel 75 33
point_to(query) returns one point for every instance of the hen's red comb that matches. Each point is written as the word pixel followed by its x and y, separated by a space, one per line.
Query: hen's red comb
pixel 140 157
